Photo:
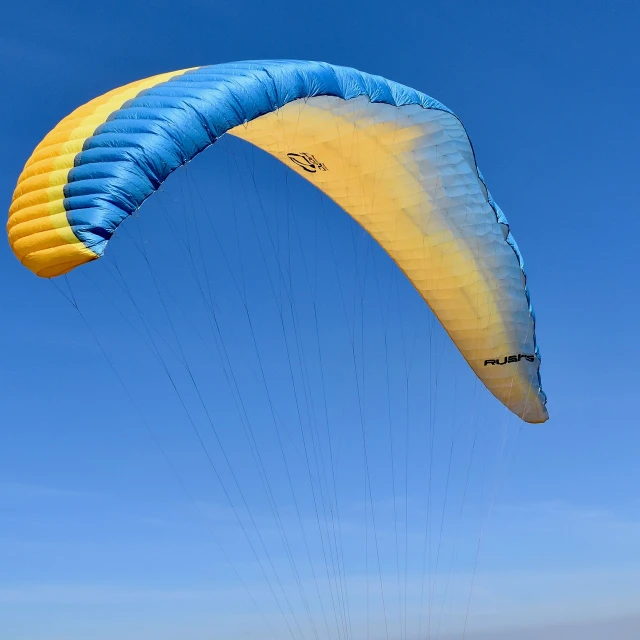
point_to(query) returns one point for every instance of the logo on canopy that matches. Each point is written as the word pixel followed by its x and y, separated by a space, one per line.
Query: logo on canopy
pixel 510 359
pixel 307 162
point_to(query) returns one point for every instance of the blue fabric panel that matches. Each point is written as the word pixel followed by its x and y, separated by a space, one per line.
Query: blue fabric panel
pixel 166 126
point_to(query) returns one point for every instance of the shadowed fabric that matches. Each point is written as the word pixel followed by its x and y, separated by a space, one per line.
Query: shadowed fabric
pixel 399 162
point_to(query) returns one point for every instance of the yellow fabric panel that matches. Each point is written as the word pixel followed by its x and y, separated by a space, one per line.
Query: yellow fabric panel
pixel 37 196
pixel 39 231
pixel 372 175
pixel 53 151
pixel 55 176
pixel 42 229
pixel 48 263
pixel 26 214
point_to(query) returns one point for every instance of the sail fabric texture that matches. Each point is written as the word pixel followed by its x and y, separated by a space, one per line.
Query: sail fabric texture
pixel 399 162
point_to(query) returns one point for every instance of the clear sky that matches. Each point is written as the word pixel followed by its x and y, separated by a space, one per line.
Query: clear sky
pixel 102 537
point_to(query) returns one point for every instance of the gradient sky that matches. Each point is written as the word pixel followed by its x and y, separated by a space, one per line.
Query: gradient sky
pixel 98 540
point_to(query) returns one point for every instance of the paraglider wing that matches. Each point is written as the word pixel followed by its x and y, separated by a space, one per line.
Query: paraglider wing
pixel 399 162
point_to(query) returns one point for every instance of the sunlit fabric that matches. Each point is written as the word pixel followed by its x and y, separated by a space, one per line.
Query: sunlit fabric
pixel 399 162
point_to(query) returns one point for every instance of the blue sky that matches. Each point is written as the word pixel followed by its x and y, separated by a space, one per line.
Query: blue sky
pixel 98 536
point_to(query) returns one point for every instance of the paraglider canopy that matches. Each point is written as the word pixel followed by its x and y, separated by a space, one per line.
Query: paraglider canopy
pixel 397 161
